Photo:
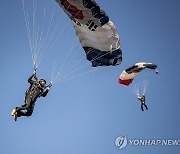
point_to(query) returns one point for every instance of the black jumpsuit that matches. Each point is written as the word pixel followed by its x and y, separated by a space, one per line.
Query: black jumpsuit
pixel 33 92
pixel 143 101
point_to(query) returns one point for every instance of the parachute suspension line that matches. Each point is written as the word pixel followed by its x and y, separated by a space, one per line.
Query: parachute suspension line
pixel 48 46
pixel 40 40
pixel 136 88
pixel 40 43
pixel 66 69
pixel 141 83
pixel 64 78
pixel 34 28
pixel 62 75
pixel 145 86
pixel 85 73
pixel 35 34
pixel 65 74
pixel 141 80
pixel 53 71
pixel 28 30
pixel 32 35
pixel 59 77
pixel 54 77
pixel 66 59
pixel 97 57
pixel 45 49
pixel 76 70
pixel 41 51
pixel 67 24
pixel 145 81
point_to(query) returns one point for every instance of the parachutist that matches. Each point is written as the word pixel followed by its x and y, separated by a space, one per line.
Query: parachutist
pixel 37 89
pixel 127 78
pixel 143 102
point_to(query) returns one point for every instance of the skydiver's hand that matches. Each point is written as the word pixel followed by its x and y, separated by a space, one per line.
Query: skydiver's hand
pixel 34 72
pixel 48 88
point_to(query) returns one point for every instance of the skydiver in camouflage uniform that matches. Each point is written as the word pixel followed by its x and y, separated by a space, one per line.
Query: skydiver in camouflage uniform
pixel 37 89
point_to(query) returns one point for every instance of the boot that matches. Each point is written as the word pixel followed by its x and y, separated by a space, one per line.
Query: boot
pixel 13 112
pixel 15 116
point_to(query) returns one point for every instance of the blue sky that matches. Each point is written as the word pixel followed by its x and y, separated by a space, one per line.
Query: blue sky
pixel 86 114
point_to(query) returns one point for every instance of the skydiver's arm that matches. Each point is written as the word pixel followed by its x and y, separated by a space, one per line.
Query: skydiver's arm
pixel 139 97
pixel 35 77
pixel 45 93
pixel 30 79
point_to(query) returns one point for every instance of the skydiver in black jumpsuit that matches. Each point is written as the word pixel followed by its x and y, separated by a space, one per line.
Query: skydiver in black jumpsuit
pixel 37 89
pixel 143 102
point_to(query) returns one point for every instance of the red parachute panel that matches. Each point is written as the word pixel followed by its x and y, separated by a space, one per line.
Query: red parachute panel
pixel 78 13
pixel 125 82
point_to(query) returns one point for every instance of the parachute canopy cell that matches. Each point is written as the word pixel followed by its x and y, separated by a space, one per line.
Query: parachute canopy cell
pixel 96 33
pixel 130 73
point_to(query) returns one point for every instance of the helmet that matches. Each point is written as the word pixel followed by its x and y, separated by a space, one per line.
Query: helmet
pixel 42 82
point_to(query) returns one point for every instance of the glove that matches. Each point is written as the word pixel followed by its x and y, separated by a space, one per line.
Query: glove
pixel 49 86
pixel 34 72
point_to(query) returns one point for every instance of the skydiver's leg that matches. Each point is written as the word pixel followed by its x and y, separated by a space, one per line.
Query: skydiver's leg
pixel 146 106
pixel 28 111
pixel 142 107
pixel 21 113
pixel 25 113
pixel 26 105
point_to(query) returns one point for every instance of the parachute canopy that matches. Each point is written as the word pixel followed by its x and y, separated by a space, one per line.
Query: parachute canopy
pixel 130 73
pixel 97 34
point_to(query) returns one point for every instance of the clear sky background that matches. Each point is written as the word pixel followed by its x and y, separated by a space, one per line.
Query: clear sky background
pixel 84 115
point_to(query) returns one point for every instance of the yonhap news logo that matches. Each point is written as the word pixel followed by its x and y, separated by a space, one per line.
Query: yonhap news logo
pixel 122 142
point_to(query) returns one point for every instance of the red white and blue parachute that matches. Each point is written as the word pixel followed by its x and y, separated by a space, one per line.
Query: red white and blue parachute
pixel 96 33
pixel 137 77
pixel 128 75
